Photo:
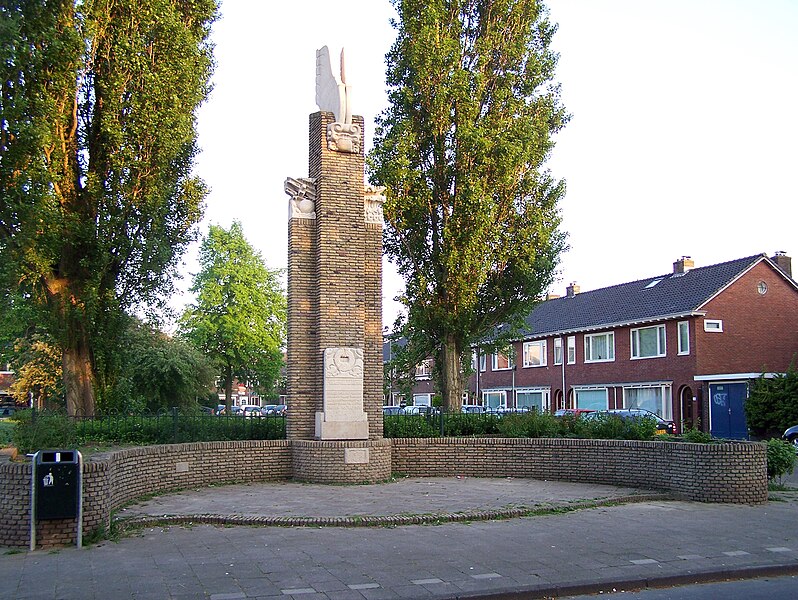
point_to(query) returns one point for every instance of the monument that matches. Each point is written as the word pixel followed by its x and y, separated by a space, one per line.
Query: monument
pixel 334 353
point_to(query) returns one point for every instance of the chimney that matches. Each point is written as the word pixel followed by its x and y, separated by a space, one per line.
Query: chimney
pixel 684 264
pixel 783 261
pixel 550 296
pixel 572 290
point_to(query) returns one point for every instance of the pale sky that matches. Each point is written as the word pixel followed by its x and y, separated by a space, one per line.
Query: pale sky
pixel 682 142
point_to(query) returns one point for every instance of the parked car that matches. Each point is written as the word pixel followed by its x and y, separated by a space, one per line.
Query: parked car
pixel 791 435
pixel 392 410
pixel 420 410
pixel 7 411
pixel 251 410
pixel 267 409
pixel 572 412
pixel 505 410
pixel 271 410
pixel 663 426
pixel 472 408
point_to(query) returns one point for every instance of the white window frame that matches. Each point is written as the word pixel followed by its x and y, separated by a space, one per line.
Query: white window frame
pixel 483 362
pixel 577 390
pixel 558 351
pixel 665 401
pixel 571 349
pixel 495 357
pixel 545 393
pixel 610 335
pixel 713 325
pixel 502 395
pixel 634 342
pixel 427 399
pixel 683 347
pixel 424 370
pixel 541 344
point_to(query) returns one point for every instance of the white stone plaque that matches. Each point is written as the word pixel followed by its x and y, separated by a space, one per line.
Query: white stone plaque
pixel 343 417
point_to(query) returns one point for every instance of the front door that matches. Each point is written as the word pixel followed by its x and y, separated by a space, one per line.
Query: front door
pixel 727 415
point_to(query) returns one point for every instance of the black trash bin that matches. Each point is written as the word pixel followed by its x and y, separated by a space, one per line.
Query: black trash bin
pixel 57 484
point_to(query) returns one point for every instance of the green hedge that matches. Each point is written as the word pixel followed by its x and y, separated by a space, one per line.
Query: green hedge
pixel 56 430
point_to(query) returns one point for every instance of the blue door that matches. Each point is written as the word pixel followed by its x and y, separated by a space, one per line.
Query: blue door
pixel 727 415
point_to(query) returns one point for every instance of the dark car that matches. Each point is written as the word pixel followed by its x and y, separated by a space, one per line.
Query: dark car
pixel 663 426
pixel 392 410
pixel 572 412
pixel 791 435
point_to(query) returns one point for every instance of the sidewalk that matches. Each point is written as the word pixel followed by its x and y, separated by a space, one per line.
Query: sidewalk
pixel 653 542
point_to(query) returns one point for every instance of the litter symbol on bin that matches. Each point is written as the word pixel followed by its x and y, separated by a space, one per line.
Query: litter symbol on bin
pixel 48 480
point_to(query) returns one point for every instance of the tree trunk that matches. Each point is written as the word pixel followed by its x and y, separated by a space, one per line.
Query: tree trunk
pixel 79 379
pixel 451 377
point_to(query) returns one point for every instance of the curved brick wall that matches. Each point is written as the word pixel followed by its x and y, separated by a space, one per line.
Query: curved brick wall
pixel 341 462
pixel 735 473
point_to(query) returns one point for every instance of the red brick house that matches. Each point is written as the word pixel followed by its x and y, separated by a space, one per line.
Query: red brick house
pixel 684 345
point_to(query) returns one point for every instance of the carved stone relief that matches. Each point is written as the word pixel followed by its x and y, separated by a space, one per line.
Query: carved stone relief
pixel 373 199
pixel 302 204
pixel 343 138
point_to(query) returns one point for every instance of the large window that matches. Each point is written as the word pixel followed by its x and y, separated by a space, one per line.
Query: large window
pixel 655 398
pixel 648 342
pixel 533 399
pixel 571 349
pixel 422 399
pixel 600 347
pixel 558 351
pixel 684 337
pixel 502 361
pixel 535 354
pixel 591 398
pixel 482 361
pixel 494 399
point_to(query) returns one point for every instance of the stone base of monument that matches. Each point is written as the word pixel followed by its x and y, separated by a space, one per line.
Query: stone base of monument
pixel 355 427
pixel 355 461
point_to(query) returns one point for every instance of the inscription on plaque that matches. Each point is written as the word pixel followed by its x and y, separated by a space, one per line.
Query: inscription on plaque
pixel 343 416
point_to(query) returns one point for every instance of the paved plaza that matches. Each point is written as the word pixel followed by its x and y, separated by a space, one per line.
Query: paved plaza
pixel 641 541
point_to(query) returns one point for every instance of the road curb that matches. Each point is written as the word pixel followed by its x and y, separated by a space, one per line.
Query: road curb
pixel 630 585
pixel 127 523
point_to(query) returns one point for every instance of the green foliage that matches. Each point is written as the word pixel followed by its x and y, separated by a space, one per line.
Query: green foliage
pixel 239 318
pixel 781 458
pixel 155 372
pixel 471 212
pixel 56 430
pixel 461 425
pixel 696 436
pixel 772 404
pixel 48 430
pixel 6 432
pixel 97 146
pixel 531 424
pixel 409 426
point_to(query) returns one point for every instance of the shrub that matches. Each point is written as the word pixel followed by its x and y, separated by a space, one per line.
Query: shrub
pixel 409 426
pixel 781 459
pixel 531 424
pixel 772 404
pixel 696 436
pixel 47 430
pixel 613 427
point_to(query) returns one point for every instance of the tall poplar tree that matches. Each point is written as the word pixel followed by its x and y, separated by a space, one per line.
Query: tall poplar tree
pixel 471 211
pixel 97 143
pixel 239 318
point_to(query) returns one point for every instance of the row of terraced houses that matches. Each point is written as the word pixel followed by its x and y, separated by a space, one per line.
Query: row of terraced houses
pixel 685 345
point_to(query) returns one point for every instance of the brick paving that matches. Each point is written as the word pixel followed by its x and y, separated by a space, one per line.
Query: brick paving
pixel 654 542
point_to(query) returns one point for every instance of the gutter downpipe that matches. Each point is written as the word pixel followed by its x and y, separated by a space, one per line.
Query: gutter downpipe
pixel 562 362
